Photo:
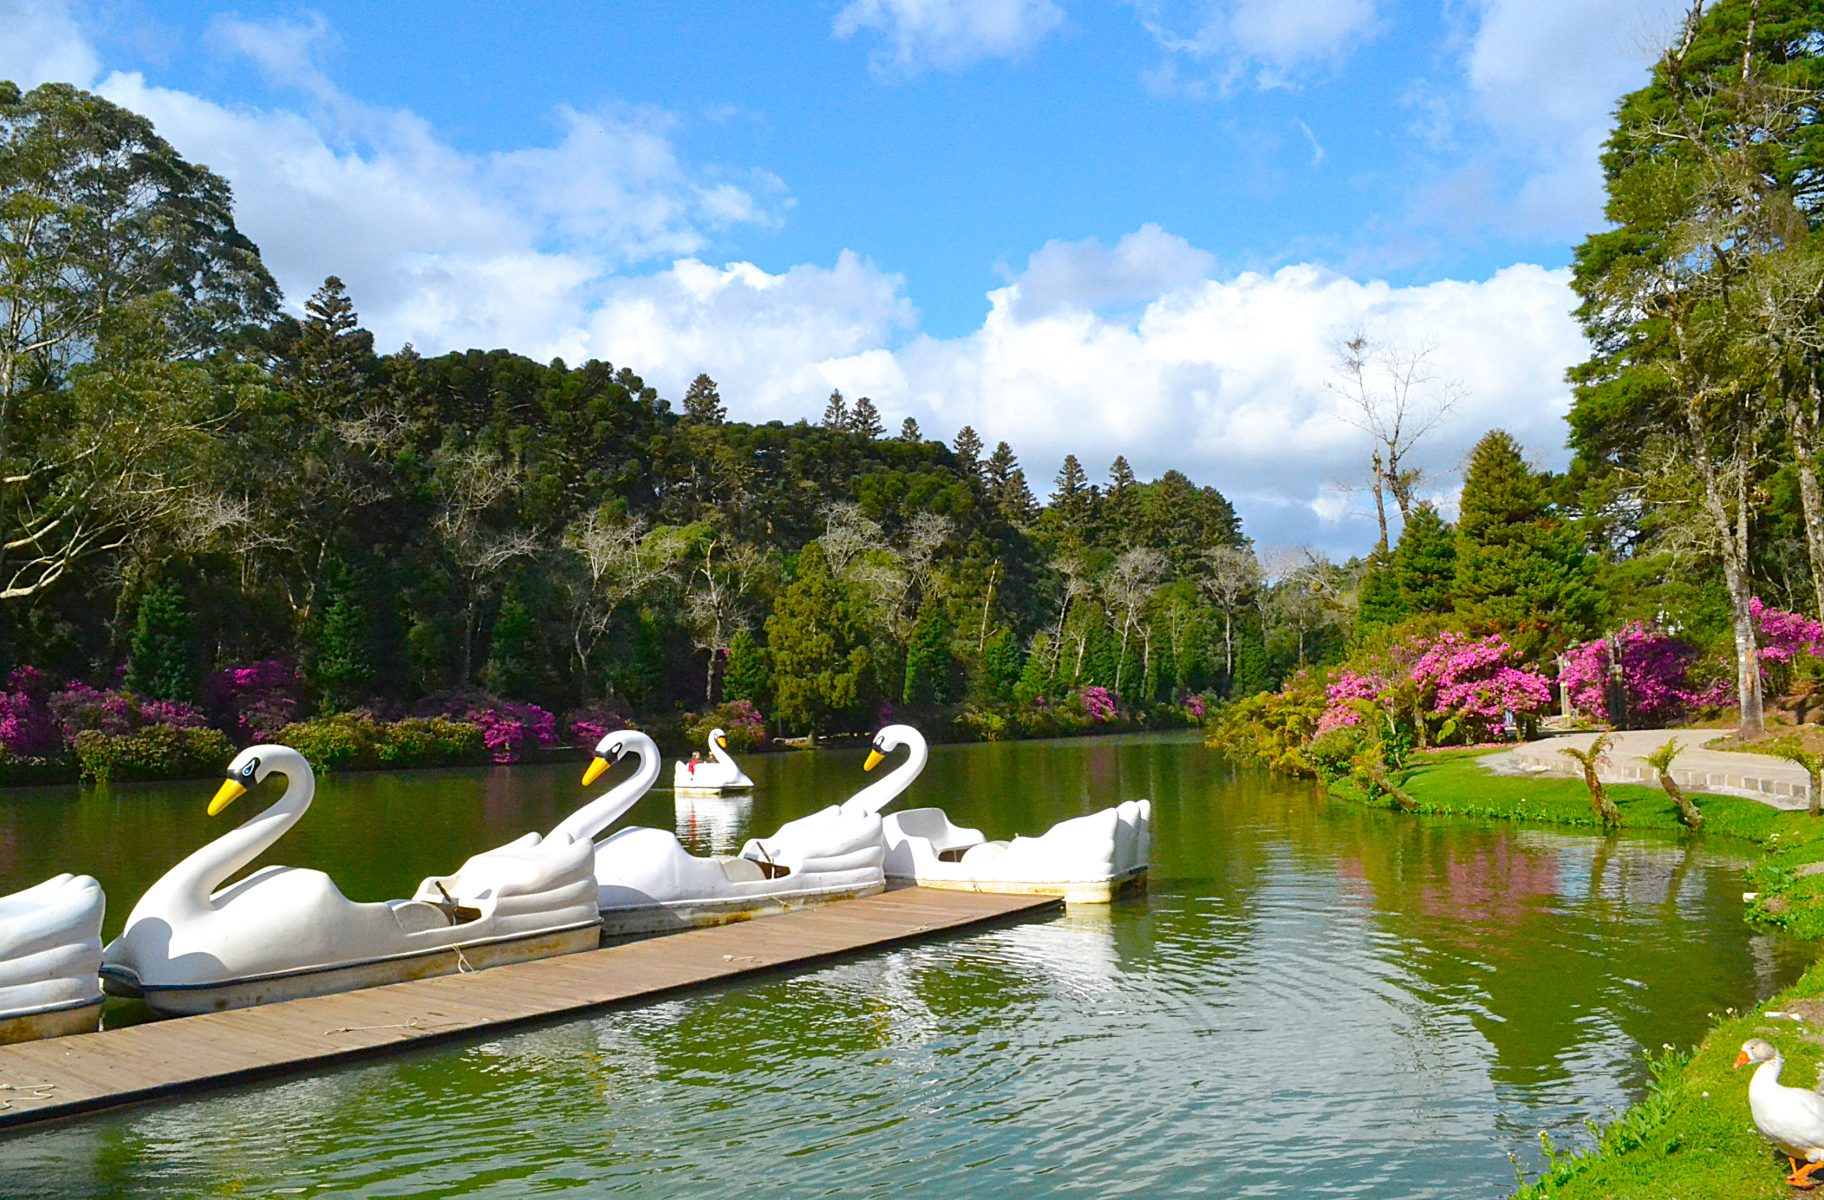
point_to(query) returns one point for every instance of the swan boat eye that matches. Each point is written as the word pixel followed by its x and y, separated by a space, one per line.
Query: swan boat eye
pixel 253 764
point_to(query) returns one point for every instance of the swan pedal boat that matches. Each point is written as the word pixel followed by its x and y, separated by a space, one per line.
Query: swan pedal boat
pixel 712 778
pixel 50 956
pixel 193 946
pixel 648 883
pixel 1086 860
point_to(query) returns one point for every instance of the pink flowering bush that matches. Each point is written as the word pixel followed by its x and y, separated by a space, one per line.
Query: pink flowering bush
pixel 1448 687
pixel 739 719
pixel 1196 706
pixel 27 727
pixel 253 702
pixel 1655 674
pixel 1783 635
pixel 1098 704
pixel 508 730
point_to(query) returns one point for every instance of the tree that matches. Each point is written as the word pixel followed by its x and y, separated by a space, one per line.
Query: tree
pixel 968 447
pixel 715 593
pixel 702 403
pixel 1232 578
pixel 746 677
pixel 1036 677
pixel 930 662
pixel 1379 603
pixel 1000 667
pixel 615 560
pixel 1517 563
pixel 836 412
pixel 514 665
pixel 865 419
pixel 1589 761
pixel 162 664
pixel 1393 396
pixel 908 431
pixel 1007 487
pixel 1121 502
pixel 1073 502
pixel 1128 586
pixel 1425 562
pixel 339 664
pixel 471 484
pixel 822 665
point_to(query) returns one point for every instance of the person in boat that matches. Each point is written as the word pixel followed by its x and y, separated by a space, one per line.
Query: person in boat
pixel 695 758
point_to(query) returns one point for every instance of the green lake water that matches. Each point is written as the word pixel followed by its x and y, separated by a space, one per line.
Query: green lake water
pixel 1311 999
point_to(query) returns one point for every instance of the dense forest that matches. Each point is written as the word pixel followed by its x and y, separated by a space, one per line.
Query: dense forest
pixel 205 494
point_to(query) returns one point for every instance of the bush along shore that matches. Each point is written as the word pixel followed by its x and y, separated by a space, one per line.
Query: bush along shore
pixel 1692 1135
pixel 60 734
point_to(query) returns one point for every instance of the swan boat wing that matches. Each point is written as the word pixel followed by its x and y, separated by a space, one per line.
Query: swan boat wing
pixel 50 959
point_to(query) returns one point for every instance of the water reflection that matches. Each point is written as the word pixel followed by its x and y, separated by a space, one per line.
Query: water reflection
pixel 1429 994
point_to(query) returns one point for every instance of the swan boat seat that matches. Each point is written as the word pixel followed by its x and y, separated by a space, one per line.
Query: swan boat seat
pixel 50 959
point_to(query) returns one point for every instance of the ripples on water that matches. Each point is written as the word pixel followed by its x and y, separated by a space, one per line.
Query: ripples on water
pixel 1313 1000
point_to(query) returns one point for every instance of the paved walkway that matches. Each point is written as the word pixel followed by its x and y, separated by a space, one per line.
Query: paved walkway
pixel 1760 777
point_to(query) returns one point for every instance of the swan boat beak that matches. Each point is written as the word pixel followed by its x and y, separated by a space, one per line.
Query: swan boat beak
pixel 875 758
pixel 722 742
pixel 227 794
pixel 595 771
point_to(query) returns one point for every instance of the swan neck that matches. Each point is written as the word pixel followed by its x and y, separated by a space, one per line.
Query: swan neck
pixel 883 791
pixel 589 820
pixel 197 877
pixel 720 755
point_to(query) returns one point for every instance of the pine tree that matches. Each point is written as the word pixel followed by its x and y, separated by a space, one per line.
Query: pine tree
pixel 702 403
pixel 338 665
pixel 865 419
pixel 1007 488
pixel 1121 504
pixel 1425 562
pixel 908 431
pixel 161 663
pixel 1073 499
pixel 745 677
pixel 1379 603
pixel 968 450
pixel 514 665
pixel 999 669
pixel 822 665
pixel 1518 565
pixel 1035 678
pixel 930 664
pixel 330 361
pixel 836 412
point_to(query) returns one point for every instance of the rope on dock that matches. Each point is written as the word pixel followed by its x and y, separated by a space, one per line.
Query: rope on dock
pixel 35 1091
pixel 411 1023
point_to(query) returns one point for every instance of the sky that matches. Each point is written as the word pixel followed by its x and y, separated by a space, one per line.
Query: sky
pixel 1089 227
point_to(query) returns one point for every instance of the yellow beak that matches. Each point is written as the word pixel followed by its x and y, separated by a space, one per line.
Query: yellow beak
pixel 595 771
pixel 227 794
pixel 722 742
pixel 875 758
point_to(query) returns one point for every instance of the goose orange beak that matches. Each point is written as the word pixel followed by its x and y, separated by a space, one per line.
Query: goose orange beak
pixel 227 794
pixel 1742 1059
pixel 875 758
pixel 595 771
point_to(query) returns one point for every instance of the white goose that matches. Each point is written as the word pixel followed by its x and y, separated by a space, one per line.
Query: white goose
pixel 50 956
pixel 647 882
pixel 285 932
pixel 1791 1118
pixel 719 774
pixel 1086 860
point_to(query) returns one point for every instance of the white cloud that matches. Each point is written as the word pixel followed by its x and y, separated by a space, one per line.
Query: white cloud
pixel 946 34
pixel 42 44
pixel 1143 265
pixel 1210 45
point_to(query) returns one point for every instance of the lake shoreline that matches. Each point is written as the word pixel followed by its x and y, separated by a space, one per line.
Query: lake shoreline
pixel 1690 1135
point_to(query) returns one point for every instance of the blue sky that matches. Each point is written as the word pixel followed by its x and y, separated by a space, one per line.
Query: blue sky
pixel 1084 227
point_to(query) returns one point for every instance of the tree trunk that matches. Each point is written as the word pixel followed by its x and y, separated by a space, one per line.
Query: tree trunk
pixel 1731 529
pixel 1688 812
pixel 1804 421
pixel 1380 502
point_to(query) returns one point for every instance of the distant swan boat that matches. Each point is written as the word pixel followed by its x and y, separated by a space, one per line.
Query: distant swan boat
pixel 718 775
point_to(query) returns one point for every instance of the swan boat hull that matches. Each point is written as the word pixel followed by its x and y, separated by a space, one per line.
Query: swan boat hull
pixel 1084 860
pixel 706 780
pixel 648 882
pixel 50 952
pixel 190 999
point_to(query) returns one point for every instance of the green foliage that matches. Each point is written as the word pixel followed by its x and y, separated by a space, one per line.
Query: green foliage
pixel 1380 602
pixel 738 722
pixel 999 669
pixel 746 677
pixel 338 664
pixel 352 741
pixel 515 655
pixel 930 664
pixel 1271 728
pixel 162 662
pixel 1425 563
pixel 1035 679
pixel 153 752
pixel 822 662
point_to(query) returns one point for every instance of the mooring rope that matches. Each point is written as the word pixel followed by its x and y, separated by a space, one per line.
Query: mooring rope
pixel 37 1091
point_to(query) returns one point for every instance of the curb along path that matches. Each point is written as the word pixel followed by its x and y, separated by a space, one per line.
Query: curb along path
pixel 1773 781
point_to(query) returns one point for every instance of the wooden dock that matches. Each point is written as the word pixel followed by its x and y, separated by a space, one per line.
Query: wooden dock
pixel 61 1077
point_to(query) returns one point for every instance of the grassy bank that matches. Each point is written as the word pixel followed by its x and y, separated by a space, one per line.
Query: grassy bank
pixel 1691 1138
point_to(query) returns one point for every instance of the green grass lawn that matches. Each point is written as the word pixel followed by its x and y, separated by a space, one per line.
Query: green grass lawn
pixel 1692 1137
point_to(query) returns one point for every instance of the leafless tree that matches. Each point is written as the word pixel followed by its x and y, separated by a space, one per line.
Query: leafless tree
pixel 1129 587
pixel 469 484
pixel 847 533
pixel 1392 394
pixel 616 560
pixel 721 577
pixel 1231 577
pixel 1304 594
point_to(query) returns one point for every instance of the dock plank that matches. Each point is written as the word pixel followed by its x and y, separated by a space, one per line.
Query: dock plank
pixel 63 1077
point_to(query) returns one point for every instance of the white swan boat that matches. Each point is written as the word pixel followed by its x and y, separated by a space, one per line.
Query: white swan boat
pixel 286 932
pixel 1086 860
pixel 719 774
pixel 50 959
pixel 648 883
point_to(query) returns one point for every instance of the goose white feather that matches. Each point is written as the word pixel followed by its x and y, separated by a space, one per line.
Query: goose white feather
pixel 1791 1118
pixel 193 945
